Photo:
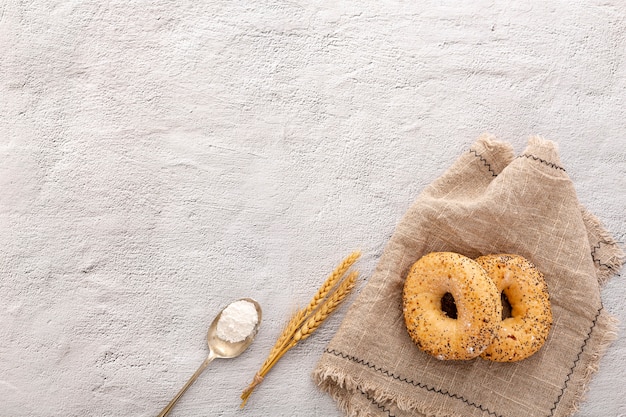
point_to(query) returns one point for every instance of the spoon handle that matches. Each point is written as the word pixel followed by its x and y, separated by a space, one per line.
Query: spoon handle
pixel 193 378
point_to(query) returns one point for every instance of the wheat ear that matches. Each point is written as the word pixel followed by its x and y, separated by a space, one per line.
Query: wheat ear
pixel 298 318
pixel 331 281
pixel 326 309
pixel 313 321
pixel 304 321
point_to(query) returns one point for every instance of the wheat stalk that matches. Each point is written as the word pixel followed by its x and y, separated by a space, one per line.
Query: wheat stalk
pixel 315 320
pixel 306 320
pixel 297 319
pixel 283 341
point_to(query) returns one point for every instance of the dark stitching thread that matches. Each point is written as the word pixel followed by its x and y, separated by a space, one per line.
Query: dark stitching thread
pixel 380 406
pixel 597 260
pixel 571 371
pixel 412 382
pixel 484 161
pixel 456 396
pixel 543 161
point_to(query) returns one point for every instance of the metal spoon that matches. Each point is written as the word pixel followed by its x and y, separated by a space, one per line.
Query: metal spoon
pixel 218 348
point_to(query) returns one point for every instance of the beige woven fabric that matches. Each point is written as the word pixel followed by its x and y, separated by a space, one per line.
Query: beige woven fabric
pixel 489 201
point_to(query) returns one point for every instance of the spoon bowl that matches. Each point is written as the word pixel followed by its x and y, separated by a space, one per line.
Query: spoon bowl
pixel 225 349
pixel 218 348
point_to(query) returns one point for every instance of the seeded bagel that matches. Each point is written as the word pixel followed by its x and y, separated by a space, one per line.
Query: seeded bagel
pixel 477 301
pixel 522 334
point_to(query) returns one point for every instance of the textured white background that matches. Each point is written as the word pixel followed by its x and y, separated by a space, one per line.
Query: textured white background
pixel 160 159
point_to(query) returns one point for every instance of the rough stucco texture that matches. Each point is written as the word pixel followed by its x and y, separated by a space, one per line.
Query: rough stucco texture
pixel 160 159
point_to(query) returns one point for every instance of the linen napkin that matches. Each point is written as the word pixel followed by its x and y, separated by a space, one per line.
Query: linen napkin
pixel 488 201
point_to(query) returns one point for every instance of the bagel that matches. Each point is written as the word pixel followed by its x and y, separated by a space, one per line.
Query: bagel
pixel 477 301
pixel 522 334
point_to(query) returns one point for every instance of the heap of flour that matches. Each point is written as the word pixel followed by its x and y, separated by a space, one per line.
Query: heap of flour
pixel 237 321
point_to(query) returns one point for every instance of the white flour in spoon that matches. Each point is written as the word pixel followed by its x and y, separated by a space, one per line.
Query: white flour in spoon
pixel 237 321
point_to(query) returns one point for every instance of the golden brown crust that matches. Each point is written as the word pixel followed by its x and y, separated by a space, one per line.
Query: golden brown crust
pixel 477 301
pixel 522 334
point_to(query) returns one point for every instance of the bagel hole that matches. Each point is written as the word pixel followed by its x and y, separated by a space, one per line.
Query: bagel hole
pixel 506 306
pixel 448 306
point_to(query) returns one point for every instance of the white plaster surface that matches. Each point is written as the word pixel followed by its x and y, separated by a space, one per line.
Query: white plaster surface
pixel 161 159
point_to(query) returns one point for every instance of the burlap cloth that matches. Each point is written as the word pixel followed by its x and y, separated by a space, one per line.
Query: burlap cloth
pixel 489 201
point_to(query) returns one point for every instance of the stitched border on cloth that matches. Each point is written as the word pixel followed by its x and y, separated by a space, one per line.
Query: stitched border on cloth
pixel 376 403
pixel 460 397
pixel 484 161
pixel 597 260
pixel 543 161
pixel 529 156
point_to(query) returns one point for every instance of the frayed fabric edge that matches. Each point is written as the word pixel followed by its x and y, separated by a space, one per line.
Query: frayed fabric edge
pixel 542 142
pixel 613 258
pixel 546 152
pixel 342 388
pixel 498 155
pixel 491 143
